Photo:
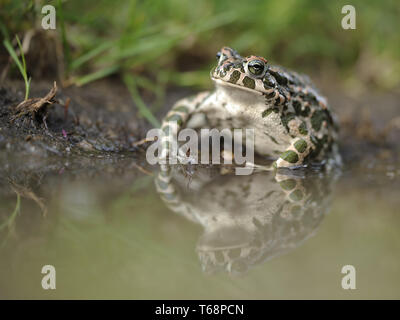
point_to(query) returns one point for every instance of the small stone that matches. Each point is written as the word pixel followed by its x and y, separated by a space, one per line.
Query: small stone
pixel 84 145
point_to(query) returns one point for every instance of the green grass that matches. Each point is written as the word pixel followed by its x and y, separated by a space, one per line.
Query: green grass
pixel 20 64
pixel 174 42
pixel 143 108
pixel 63 32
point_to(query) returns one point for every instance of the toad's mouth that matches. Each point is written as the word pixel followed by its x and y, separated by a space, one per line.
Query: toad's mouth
pixel 234 85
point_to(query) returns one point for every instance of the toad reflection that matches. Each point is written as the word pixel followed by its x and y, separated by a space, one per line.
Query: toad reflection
pixel 247 220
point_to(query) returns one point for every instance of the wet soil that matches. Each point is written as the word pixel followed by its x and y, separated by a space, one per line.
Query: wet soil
pixel 99 125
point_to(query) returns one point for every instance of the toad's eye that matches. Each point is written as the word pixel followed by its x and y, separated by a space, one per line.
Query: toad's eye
pixel 256 67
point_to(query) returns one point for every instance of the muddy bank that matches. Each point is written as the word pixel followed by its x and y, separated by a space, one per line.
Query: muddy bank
pixel 88 125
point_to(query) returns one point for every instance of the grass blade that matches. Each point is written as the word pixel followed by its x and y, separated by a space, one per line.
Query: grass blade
pixel 21 66
pixel 91 54
pixel 143 109
pixel 96 75
pixel 13 55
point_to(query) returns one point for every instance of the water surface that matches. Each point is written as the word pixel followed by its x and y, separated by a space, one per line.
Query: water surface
pixel 109 233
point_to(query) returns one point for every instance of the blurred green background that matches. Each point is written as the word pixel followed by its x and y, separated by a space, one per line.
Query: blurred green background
pixel 174 42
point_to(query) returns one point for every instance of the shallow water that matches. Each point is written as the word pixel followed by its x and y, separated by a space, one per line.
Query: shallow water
pixel 109 234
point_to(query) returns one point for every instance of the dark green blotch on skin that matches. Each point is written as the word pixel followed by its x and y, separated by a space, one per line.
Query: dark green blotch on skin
pixel 228 67
pixel 305 112
pixel 300 145
pixel 290 156
pixel 249 83
pixel 303 128
pixel 296 195
pixel 328 117
pixel 310 98
pixel 280 78
pixel 269 81
pixel 175 117
pixel 317 118
pixel 319 145
pixel 182 109
pixel 234 76
pixel 267 112
pixel 270 95
pixel 297 107
pixel 288 184
pixel 286 119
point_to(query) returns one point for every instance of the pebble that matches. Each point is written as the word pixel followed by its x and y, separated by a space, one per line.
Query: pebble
pixel 84 145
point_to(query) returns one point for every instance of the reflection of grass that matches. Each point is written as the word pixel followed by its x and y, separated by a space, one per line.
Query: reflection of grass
pixel 13 215
pixel 10 221
pixel 20 64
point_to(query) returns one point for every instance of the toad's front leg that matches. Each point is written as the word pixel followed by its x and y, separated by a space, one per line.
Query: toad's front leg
pixel 300 147
pixel 177 118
